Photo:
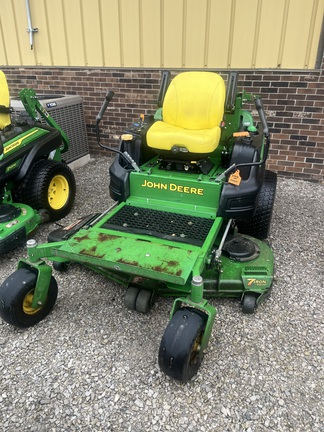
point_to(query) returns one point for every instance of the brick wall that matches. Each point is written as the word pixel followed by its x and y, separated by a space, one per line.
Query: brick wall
pixel 293 102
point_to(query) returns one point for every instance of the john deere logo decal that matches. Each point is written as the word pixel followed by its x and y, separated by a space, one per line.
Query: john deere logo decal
pixel 173 187
pixel 17 143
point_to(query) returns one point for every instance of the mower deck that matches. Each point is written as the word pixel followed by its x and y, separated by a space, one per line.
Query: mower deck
pixel 144 252
pixel 164 257
pixel 166 231
pixel 16 222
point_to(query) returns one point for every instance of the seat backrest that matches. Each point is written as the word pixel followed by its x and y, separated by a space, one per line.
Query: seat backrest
pixel 4 102
pixel 195 100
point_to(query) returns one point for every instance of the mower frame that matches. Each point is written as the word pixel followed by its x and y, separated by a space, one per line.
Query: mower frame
pixel 199 255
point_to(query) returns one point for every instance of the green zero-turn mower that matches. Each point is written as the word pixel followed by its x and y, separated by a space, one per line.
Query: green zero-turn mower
pixel 193 206
pixel 35 185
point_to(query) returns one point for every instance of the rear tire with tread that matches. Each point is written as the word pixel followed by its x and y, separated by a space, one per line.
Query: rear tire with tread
pixel 49 185
pixel 259 225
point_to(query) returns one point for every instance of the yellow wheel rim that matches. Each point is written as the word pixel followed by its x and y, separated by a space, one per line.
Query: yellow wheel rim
pixel 27 304
pixel 195 349
pixel 58 192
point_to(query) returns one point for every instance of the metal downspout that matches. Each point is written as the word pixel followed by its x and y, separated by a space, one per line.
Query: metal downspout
pixel 31 30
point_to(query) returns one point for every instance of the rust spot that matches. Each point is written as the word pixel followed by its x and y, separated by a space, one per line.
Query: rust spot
pixel 165 269
pixel 91 252
pixel 80 239
pixel 158 269
pixel 133 263
pixel 138 280
pixel 104 237
pixel 172 263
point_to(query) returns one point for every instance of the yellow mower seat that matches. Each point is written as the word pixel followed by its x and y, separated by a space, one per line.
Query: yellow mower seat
pixel 192 112
pixel 4 102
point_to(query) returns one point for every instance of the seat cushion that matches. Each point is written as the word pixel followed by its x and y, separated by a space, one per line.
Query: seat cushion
pixel 163 136
pixel 4 101
pixel 195 100
pixel 192 111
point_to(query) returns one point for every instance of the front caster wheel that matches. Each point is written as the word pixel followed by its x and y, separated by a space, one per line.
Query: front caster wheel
pixel 144 301
pixel 180 353
pixel 60 266
pixel 130 297
pixel 16 297
pixel 249 303
pixel 138 299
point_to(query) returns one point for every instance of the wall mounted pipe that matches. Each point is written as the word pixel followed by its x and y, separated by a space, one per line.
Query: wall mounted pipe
pixel 31 30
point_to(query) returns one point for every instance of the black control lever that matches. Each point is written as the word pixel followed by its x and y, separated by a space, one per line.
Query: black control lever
pixel 103 108
pixel 165 82
pixel 259 107
pixel 231 92
pixel 232 168
pixel 127 158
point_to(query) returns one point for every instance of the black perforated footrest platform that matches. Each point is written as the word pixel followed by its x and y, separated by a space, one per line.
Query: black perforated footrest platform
pixel 169 226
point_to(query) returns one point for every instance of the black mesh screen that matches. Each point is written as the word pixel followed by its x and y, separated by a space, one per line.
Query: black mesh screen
pixel 170 226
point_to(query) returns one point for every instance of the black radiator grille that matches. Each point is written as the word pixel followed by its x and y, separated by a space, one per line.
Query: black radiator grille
pixel 169 226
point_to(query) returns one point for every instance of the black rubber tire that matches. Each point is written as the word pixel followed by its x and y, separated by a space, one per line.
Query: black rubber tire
pixel 34 189
pixel 16 296
pixel 179 353
pixel 144 301
pixel 130 297
pixel 259 225
pixel 249 303
pixel 60 266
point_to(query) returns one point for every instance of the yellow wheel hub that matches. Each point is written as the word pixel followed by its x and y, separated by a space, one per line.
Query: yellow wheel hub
pixel 195 349
pixel 27 304
pixel 58 192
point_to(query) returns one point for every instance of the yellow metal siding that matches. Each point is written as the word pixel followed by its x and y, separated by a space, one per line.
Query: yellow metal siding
pixel 172 33
pixel 220 27
pixel 242 36
pixel 10 34
pixel 296 31
pixel 56 32
pixel 74 33
pixel 195 16
pixel 130 32
pixel 110 25
pixel 91 32
pixel 151 25
pixel 163 33
pixel 43 53
pixel 269 37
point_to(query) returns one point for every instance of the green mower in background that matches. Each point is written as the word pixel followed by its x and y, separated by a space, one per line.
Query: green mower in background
pixel 193 206
pixel 35 185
